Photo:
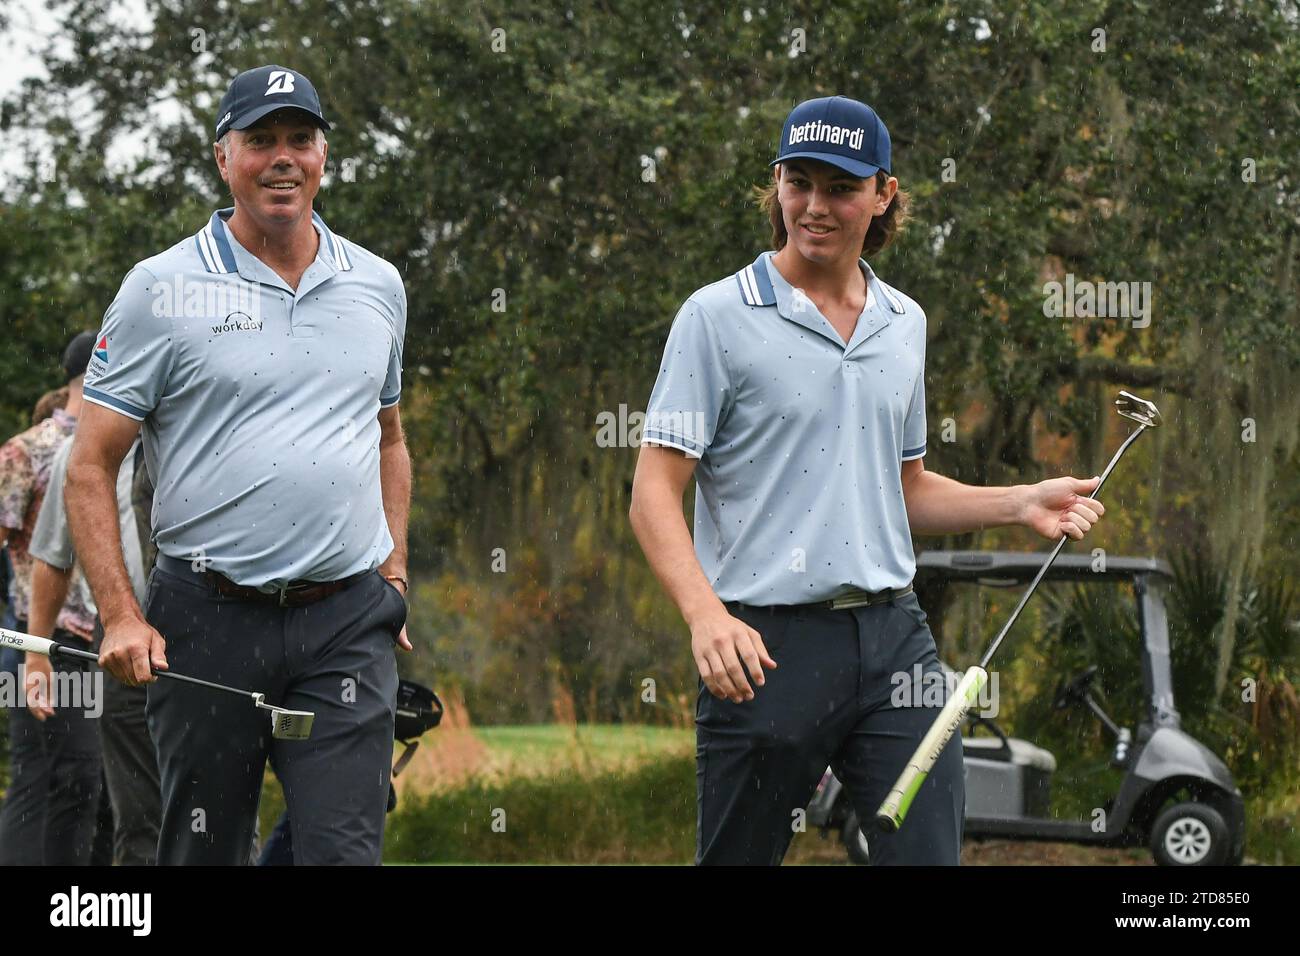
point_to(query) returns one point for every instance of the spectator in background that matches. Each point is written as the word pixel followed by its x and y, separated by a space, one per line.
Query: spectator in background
pixel 129 763
pixel 45 406
pixel 9 659
pixel 25 464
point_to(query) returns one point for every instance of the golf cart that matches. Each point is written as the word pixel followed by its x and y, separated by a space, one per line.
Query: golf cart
pixel 1176 796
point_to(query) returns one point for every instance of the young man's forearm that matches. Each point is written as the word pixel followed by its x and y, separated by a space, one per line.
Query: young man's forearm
pixel 91 499
pixel 940 505
pixel 395 487
pixel 49 594
pixel 660 528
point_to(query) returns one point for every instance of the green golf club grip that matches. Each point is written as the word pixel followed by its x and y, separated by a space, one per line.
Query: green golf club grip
pixel 894 809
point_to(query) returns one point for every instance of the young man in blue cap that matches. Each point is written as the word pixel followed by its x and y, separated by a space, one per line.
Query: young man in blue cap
pixel 261 358
pixel 793 392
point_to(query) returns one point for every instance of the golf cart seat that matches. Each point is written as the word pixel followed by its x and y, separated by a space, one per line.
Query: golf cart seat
pixel 1006 777
pixel 1014 750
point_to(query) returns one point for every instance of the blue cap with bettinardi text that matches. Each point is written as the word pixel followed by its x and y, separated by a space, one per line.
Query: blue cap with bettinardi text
pixel 265 89
pixel 839 131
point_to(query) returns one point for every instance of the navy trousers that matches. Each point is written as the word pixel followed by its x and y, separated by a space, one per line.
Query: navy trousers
pixel 50 811
pixel 335 658
pixel 831 701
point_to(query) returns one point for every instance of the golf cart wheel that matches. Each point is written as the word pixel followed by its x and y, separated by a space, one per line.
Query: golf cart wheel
pixel 855 841
pixel 1190 834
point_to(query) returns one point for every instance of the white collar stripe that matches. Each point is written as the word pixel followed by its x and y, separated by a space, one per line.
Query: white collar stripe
pixel 340 256
pixel 209 243
pixel 203 250
pixel 893 300
pixel 750 284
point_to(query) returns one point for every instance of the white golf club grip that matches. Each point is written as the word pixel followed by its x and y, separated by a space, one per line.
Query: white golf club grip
pixel 892 811
pixel 25 642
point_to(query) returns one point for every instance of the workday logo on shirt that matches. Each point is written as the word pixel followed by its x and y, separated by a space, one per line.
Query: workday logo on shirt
pixel 225 305
pixel 238 322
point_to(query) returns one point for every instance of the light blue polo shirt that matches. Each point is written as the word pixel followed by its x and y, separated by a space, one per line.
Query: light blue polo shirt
pixel 800 437
pixel 259 404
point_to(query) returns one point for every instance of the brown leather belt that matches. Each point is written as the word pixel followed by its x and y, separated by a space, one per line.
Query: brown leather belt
pixel 293 594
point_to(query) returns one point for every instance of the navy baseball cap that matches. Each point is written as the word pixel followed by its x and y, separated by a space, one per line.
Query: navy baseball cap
pixel 839 131
pixel 265 89
pixel 76 354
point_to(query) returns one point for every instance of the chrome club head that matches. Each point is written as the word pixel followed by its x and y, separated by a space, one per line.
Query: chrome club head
pixel 1138 410
pixel 287 724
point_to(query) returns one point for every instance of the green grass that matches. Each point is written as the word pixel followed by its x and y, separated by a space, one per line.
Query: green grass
pixel 642 815
pixel 626 794
pixel 551 747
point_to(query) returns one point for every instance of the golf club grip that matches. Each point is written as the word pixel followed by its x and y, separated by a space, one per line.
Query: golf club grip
pixel 25 642
pixel 895 806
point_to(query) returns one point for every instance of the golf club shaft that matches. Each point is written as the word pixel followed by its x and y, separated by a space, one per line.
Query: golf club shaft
pixel 1096 493
pixel 42 645
pixel 896 803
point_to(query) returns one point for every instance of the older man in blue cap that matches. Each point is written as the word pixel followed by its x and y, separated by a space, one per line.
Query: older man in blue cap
pixel 261 360
pixel 794 393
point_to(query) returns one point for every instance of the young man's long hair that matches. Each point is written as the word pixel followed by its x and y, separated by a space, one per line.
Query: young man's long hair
pixel 883 230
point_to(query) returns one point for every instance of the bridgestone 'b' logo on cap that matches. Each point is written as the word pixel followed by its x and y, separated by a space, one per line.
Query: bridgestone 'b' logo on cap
pixel 279 82
pixel 824 133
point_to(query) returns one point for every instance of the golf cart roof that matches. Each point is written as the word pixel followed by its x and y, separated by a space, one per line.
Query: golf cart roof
pixel 1023 565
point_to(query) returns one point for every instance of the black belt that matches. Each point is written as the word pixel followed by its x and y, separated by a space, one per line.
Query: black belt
pixel 293 594
pixel 856 597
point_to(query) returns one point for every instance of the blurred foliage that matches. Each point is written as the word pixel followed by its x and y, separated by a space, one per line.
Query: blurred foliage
pixel 476 169
pixel 1254 725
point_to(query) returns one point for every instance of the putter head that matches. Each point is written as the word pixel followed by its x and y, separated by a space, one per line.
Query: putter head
pixel 1138 410
pixel 287 724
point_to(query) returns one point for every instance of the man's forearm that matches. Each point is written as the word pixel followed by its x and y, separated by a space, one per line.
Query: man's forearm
pixel 91 499
pixel 940 505
pixel 49 594
pixel 660 527
pixel 395 486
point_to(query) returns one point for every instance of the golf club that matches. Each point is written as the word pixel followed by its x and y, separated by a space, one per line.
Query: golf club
pixel 285 724
pixel 894 808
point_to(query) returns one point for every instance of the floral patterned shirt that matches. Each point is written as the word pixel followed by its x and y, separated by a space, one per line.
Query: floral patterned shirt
pixel 25 463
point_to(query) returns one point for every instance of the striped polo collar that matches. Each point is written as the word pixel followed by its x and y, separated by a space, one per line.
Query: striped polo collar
pixel 218 255
pixel 756 285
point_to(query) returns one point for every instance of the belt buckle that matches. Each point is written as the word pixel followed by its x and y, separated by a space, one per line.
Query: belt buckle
pixel 285 590
pixel 861 599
